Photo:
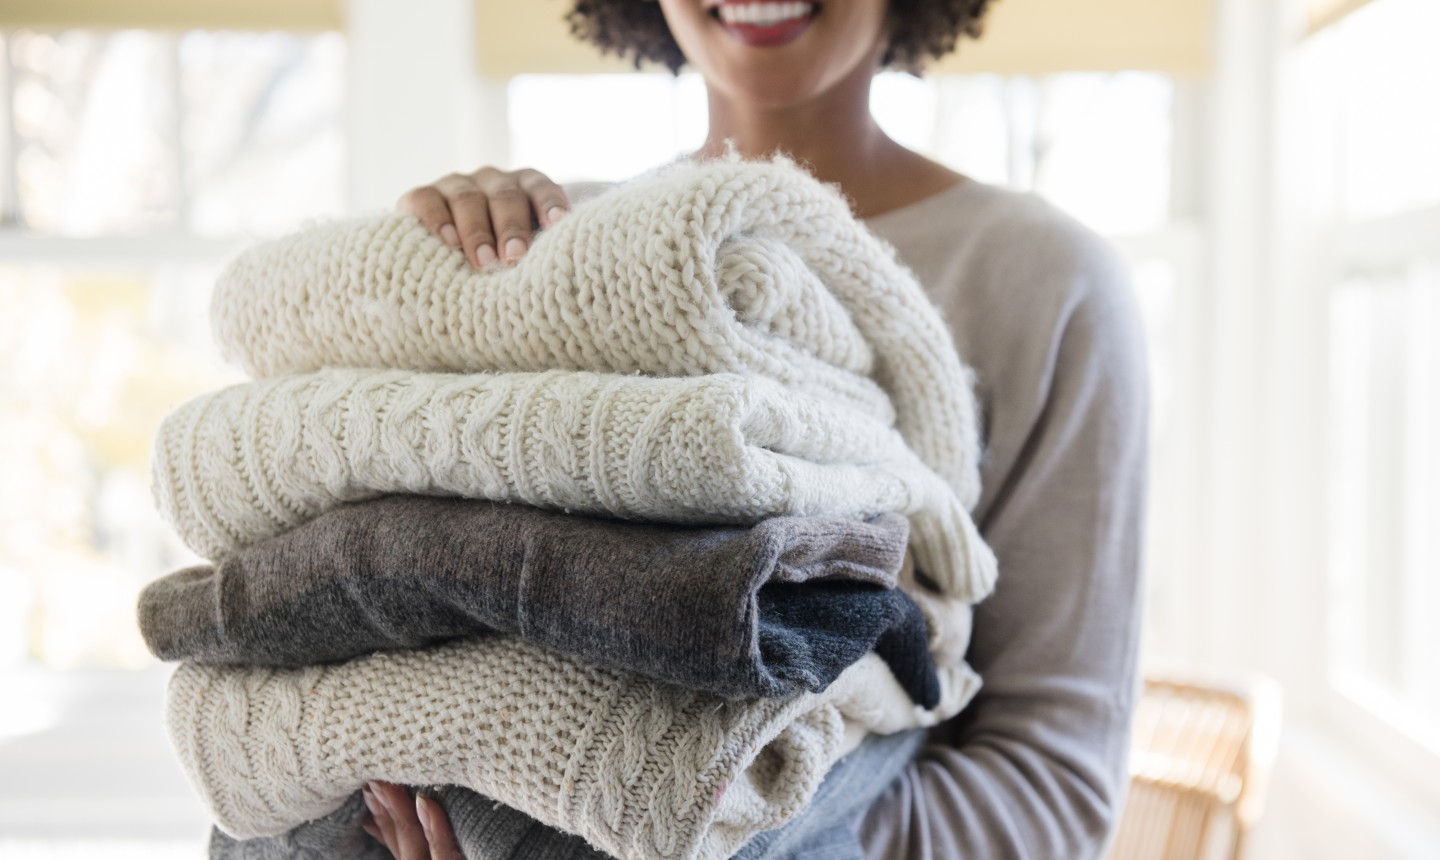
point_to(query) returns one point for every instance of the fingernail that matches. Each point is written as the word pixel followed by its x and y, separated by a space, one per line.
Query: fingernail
pixel 555 214
pixel 450 235
pixel 485 257
pixel 514 248
pixel 423 809
pixel 372 803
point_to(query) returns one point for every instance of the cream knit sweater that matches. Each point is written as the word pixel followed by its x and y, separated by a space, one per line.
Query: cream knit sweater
pixel 640 769
pixel 249 462
pixel 782 331
pixel 701 268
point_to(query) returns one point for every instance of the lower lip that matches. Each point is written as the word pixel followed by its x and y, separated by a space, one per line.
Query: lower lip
pixel 772 36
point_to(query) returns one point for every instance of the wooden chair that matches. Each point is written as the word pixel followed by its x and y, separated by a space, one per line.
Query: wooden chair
pixel 1200 760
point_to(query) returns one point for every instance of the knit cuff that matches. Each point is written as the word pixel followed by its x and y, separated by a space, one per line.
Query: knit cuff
pixel 949 549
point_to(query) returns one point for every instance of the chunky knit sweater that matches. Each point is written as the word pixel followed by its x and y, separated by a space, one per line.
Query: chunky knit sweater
pixel 712 267
pixel 247 463
pixel 639 769
pixel 731 268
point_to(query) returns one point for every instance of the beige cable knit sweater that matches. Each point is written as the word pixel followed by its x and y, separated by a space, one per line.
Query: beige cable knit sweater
pixel 701 268
pixel 251 461
pixel 640 769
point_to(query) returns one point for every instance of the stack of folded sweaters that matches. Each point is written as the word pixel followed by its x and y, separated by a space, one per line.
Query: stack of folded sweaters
pixel 611 539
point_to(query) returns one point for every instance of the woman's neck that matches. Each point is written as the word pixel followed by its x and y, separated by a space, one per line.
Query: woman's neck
pixel 836 138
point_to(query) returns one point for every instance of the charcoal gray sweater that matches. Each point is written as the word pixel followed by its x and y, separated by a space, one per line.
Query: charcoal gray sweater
pixel 757 611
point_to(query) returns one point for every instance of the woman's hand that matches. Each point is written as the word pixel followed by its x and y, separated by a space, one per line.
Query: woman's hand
pixel 490 214
pixel 412 827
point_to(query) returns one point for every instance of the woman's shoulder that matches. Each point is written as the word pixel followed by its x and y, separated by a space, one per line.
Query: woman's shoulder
pixel 1028 292
pixel 976 242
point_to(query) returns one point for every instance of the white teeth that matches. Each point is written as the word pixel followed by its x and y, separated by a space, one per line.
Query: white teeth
pixel 764 14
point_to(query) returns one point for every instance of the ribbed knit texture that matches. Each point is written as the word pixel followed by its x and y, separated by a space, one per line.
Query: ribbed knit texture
pixel 638 769
pixel 700 268
pixel 488 830
pixel 249 462
pixel 484 830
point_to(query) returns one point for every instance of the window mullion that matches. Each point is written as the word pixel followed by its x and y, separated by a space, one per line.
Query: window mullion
pixel 1420 635
pixel 10 214
pixel 176 130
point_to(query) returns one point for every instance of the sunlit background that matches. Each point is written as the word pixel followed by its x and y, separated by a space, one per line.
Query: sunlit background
pixel 1270 168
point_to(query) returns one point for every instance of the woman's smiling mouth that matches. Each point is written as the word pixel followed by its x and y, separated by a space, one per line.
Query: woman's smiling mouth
pixel 762 23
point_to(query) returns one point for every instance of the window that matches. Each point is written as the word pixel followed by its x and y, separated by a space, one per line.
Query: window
pixel 204 133
pixel 1095 144
pixel 1371 80
pixel 131 164
pixel 1385 507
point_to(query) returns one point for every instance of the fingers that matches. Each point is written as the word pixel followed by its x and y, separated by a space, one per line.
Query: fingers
pixel 490 214
pixel 510 212
pixel 430 206
pixel 547 199
pixel 398 821
pixel 378 824
pixel 471 210
pixel 443 845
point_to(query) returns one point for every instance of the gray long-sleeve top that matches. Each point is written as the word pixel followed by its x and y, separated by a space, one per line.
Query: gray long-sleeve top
pixel 1041 309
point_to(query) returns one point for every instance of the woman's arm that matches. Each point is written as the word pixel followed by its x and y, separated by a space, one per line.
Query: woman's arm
pixel 1035 767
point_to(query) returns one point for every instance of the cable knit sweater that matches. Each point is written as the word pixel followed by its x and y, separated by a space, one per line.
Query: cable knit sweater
pixel 730 268
pixel 247 463
pixel 639 769
pixel 700 268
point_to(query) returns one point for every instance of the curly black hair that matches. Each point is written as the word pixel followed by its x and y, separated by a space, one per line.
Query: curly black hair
pixel 919 30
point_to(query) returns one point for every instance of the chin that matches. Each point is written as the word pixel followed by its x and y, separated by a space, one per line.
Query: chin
pixel 776 91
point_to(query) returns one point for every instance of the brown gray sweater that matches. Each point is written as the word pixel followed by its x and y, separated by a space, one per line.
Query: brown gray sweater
pixel 1041 309
pixel 761 611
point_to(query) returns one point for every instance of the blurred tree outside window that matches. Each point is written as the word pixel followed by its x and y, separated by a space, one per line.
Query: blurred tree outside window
pixel 131 164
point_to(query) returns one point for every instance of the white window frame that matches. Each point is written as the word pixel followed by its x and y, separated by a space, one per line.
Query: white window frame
pixel 1309 251
pixel 1250 567
pixel 1365 714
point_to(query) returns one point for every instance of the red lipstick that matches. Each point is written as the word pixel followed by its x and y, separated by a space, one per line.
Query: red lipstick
pixel 765 23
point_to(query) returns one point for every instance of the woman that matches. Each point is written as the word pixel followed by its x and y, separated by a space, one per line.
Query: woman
pixel 1035 766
